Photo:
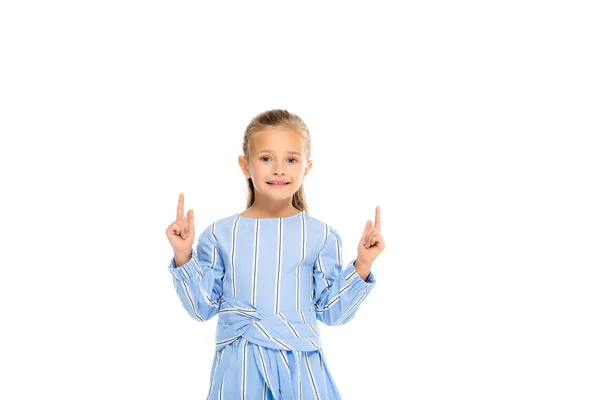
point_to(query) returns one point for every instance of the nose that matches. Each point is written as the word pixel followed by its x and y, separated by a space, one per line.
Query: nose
pixel 278 167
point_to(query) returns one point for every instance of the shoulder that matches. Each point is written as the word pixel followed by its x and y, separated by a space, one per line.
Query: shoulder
pixel 323 229
pixel 214 229
pixel 219 231
pixel 216 234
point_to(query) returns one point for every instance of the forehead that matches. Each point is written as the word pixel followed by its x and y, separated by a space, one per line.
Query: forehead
pixel 277 139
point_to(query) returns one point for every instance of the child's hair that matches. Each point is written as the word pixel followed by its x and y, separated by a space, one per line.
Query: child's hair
pixel 270 118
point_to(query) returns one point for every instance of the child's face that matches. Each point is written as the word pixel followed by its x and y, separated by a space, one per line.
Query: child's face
pixel 276 153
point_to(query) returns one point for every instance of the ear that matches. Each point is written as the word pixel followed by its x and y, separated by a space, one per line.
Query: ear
pixel 308 167
pixel 243 166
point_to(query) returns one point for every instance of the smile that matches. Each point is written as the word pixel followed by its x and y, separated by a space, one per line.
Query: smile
pixel 277 183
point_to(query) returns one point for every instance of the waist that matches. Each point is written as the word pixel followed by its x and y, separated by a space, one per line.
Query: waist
pixel 284 330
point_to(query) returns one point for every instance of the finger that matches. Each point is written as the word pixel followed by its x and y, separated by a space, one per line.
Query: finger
pixel 378 218
pixel 374 235
pixel 367 228
pixel 190 219
pixel 365 236
pixel 175 228
pixel 375 239
pixel 180 206
pixel 169 230
pixel 365 232
pixel 370 236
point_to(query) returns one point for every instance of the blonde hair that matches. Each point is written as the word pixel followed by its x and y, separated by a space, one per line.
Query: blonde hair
pixel 276 118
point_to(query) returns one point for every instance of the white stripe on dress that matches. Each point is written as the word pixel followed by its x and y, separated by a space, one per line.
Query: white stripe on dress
pixel 312 342
pixel 298 355
pixel 245 356
pixel 278 275
pixel 351 308
pixel 298 268
pixel 221 389
pixel 233 238
pixel 337 250
pixel 190 300
pixel 335 299
pixel 264 367
pixel 312 378
pixel 287 364
pixel 313 329
pixel 255 261
pixel 214 371
pixel 288 325
pixel 282 344
pixel 201 287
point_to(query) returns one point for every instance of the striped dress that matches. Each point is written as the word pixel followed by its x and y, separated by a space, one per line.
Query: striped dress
pixel 270 280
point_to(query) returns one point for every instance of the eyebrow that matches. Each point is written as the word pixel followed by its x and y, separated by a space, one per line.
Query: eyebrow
pixel 271 151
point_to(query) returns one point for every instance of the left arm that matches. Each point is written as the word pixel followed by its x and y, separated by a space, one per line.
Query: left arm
pixel 339 292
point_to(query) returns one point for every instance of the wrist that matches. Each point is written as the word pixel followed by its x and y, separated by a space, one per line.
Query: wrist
pixel 362 264
pixel 362 268
pixel 182 257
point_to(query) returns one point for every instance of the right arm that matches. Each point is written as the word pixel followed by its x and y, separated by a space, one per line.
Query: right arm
pixel 199 281
pixel 197 273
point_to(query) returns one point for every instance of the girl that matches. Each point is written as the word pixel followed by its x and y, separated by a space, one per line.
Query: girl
pixel 271 273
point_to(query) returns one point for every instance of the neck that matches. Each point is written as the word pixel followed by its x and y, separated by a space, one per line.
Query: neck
pixel 272 209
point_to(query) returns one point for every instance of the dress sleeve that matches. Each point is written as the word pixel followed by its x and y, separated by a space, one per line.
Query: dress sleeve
pixel 337 293
pixel 199 282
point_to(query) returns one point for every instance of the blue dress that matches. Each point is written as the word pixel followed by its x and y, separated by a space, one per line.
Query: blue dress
pixel 270 280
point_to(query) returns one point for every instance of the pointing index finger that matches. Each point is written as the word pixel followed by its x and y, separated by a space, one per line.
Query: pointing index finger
pixel 180 206
pixel 377 218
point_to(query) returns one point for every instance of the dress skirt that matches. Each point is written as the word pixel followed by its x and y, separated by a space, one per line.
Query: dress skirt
pixel 245 370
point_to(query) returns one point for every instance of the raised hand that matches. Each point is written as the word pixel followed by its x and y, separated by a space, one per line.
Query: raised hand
pixel 371 243
pixel 181 232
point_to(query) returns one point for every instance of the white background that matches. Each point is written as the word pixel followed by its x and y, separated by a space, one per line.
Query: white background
pixel 472 124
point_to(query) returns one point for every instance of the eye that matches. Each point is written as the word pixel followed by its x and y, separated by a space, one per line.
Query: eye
pixel 293 160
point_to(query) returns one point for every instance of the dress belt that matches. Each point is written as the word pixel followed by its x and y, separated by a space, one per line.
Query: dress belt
pixel 285 330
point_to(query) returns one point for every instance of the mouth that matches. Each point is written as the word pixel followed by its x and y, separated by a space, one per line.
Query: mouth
pixel 278 183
